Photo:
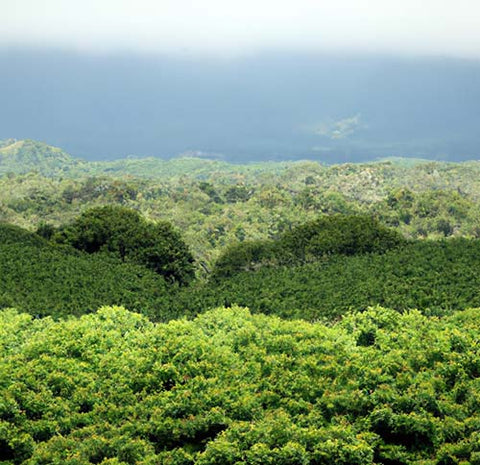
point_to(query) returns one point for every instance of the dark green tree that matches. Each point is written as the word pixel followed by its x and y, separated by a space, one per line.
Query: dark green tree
pixel 244 256
pixel 339 234
pixel 125 233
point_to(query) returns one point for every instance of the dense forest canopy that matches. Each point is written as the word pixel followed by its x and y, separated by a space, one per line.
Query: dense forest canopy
pixel 239 233
pixel 230 387
pixel 329 235
pixel 216 204
pixel 359 346
pixel 124 233
pixel 318 270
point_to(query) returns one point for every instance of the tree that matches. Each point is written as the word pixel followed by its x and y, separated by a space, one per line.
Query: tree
pixel 126 234
pixel 244 256
pixel 339 234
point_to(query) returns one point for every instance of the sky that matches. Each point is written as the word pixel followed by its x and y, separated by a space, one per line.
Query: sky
pixel 343 79
pixel 238 27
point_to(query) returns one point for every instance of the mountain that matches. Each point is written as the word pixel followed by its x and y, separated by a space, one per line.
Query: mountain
pixel 24 156
pixel 269 106
pixel 28 156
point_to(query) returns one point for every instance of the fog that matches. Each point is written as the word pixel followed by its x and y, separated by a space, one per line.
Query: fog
pixel 334 80
pixel 232 28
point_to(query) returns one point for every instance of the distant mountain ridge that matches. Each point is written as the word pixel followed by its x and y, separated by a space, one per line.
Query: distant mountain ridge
pixel 23 156
pixel 27 156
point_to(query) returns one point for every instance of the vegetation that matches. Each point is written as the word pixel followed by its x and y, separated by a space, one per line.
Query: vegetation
pixel 376 265
pixel 215 204
pixel 124 233
pixel 24 156
pixel 231 388
pixel 432 276
pixel 44 279
pixel 330 235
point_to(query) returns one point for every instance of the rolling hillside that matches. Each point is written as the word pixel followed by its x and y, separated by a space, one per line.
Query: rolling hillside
pixel 24 156
pixel 43 279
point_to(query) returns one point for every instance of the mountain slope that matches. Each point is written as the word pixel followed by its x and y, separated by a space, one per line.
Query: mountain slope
pixel 43 279
pixel 23 156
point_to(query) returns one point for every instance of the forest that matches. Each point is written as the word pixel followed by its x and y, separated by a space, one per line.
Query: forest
pixel 230 387
pixel 198 312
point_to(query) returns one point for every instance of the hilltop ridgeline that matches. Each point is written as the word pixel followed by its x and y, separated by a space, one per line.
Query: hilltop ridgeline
pixel 319 270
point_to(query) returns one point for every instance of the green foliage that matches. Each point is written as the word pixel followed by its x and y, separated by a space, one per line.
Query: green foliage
pixel 124 233
pixel 215 204
pixel 238 194
pixel 374 386
pixel 339 234
pixel 27 155
pixel 245 256
pixel 46 279
pixel 231 387
pixel 11 235
pixel 432 276
pixel 208 189
pixel 328 235
pixel 45 230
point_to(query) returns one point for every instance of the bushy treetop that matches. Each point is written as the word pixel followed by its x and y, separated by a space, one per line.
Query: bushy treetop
pixel 127 234
pixel 327 235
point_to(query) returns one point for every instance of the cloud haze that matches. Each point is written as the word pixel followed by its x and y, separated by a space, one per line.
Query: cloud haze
pixel 440 27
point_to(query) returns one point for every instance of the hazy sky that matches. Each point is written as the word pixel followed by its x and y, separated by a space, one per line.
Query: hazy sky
pixel 231 27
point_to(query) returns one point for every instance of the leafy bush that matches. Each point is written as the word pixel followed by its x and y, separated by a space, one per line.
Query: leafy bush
pixel 126 234
pixel 328 235
pixel 230 387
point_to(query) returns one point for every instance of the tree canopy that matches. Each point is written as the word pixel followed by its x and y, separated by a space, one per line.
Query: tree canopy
pixel 233 388
pixel 327 235
pixel 128 235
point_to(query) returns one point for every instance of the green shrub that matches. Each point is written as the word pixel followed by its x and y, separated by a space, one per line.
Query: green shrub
pixel 230 387
pixel 126 234
pixel 339 234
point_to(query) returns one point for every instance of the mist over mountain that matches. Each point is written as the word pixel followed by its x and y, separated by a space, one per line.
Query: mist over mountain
pixel 331 108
